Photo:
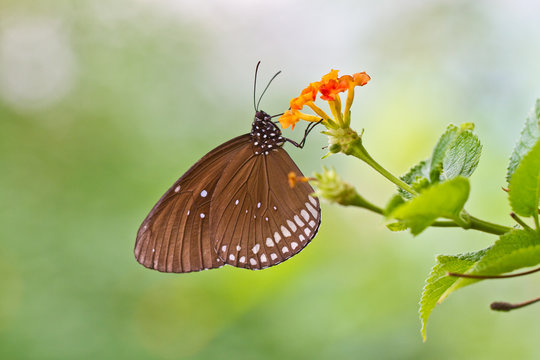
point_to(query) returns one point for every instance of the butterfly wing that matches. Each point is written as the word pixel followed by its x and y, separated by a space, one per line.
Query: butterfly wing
pixel 175 236
pixel 257 219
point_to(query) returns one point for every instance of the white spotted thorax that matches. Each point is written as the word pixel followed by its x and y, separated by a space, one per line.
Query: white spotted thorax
pixel 265 135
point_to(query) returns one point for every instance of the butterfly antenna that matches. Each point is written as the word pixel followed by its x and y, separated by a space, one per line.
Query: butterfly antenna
pixel 266 88
pixel 255 85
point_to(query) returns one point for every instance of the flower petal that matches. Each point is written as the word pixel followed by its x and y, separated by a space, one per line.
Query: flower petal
pixel 361 79
pixel 289 118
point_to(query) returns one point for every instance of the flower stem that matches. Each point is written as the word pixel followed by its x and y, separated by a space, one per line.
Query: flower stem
pixel 363 203
pixel 356 149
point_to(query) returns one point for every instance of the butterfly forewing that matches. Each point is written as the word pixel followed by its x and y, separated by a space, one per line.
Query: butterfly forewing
pixel 257 220
pixel 175 236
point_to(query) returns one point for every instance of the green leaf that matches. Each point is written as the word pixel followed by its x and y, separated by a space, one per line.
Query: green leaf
pixel 462 157
pixel 416 174
pixel 456 154
pixel 394 202
pixel 440 200
pixel 514 250
pixel 439 151
pixel 396 226
pixel 524 193
pixel 454 147
pixel 438 282
pixel 529 136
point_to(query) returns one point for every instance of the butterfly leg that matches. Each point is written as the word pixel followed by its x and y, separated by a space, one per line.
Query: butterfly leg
pixel 306 133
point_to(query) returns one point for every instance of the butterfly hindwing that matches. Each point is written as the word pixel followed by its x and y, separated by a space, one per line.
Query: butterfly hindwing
pixel 257 220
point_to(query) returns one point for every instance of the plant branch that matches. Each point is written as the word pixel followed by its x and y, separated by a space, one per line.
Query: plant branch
pixel 488 227
pixel 504 306
pixel 475 223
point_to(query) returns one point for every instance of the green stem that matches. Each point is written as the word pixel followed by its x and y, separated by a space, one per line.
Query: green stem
pixel 351 144
pixel 473 223
pixel 359 201
pixel 488 227
pixel 519 221
pixel 356 149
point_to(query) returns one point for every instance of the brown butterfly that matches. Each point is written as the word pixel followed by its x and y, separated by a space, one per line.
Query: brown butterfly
pixel 234 206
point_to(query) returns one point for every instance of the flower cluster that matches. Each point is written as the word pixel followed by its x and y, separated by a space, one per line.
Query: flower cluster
pixel 330 86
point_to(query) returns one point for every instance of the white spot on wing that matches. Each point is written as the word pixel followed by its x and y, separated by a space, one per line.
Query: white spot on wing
pixel 307 231
pixel 266 218
pixel 224 248
pixel 177 189
pixel 298 221
pixel 302 238
pixel 188 212
pixel 238 248
pixel 291 225
pixel 304 214
pixel 277 237
pixel 273 256
pixel 294 245
pixel 312 223
pixel 312 210
pixel 263 258
pixel 256 248
pixel 275 208
pixel 285 231
pixel 204 193
pixel 202 215
pixel 231 257
pixel 236 202
pixel 242 259
pixel 284 249
pixel 269 242
pixel 312 200
pixel 258 205
pixel 252 261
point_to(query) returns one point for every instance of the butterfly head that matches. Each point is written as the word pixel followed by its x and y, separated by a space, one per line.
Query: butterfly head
pixel 265 135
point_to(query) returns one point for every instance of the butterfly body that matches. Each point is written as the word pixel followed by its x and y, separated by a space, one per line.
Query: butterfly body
pixel 234 206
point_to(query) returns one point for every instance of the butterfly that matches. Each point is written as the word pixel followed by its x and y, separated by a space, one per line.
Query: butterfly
pixel 234 206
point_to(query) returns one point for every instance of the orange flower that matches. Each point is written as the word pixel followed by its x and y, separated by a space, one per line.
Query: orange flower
pixel 293 179
pixel 289 118
pixel 307 95
pixel 331 85
pixel 332 75
pixel 332 88
pixel 361 79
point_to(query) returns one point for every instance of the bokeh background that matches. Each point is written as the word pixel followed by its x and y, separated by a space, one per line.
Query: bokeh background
pixel 104 104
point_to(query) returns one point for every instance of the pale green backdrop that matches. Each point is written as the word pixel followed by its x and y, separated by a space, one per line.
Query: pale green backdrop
pixel 103 104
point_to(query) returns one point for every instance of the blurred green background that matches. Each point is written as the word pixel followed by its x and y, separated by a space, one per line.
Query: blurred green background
pixel 104 104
